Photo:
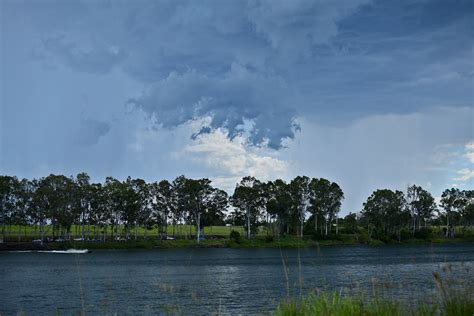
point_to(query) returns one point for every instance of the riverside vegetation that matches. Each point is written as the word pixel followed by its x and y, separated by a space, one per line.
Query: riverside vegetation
pixel 70 211
pixel 451 299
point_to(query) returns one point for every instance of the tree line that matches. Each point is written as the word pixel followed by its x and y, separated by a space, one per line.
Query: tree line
pixel 120 208
pixel 387 212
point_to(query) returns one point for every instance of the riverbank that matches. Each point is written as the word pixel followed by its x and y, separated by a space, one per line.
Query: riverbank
pixel 259 242
pixel 451 298
pixel 449 303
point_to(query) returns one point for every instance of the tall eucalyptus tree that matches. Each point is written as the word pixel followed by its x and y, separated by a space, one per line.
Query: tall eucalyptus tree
pixel 83 195
pixel 421 205
pixel 8 196
pixel 248 200
pixel 279 204
pixel 163 204
pixel 326 200
pixel 451 201
pixel 385 212
pixel 197 194
pixel 301 194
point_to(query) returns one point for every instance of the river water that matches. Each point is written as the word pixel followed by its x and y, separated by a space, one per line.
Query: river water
pixel 217 281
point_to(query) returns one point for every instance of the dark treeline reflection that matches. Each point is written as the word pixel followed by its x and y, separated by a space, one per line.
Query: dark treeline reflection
pixel 302 206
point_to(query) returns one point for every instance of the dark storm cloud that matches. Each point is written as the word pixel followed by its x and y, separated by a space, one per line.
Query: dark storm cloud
pixel 188 52
pixel 334 61
pixel 238 95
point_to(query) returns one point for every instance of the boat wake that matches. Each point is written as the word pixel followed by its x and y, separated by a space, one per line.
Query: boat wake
pixel 57 251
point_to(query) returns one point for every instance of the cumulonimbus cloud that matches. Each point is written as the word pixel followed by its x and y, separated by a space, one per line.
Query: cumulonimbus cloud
pixel 229 100
pixel 200 59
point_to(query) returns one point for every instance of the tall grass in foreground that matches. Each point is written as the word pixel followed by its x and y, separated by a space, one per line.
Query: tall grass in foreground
pixel 452 299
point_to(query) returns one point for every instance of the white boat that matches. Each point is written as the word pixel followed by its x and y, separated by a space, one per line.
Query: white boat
pixel 67 251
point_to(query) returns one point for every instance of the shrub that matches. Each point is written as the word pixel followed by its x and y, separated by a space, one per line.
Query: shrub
pixel 269 239
pixel 404 234
pixel 322 236
pixel 424 233
pixel 235 236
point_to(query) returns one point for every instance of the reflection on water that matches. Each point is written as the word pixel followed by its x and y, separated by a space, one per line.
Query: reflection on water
pixel 219 281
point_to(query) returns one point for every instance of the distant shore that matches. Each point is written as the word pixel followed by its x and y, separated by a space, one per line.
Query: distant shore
pixel 287 242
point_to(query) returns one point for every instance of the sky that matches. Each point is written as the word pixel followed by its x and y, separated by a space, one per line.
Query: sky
pixel 369 94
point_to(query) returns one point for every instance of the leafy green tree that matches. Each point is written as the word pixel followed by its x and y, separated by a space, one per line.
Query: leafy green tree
pixel 8 196
pixel 39 204
pixel 467 211
pixel 197 194
pixel 216 206
pixel 248 200
pixel 350 223
pixel 326 200
pixel 131 205
pixel 163 204
pixel 100 213
pixel 83 195
pixel 56 199
pixel 301 195
pixel 115 204
pixel 385 212
pixel 451 201
pixel 181 214
pixel 279 204
pixel 24 195
pixel 142 204
pixel 421 205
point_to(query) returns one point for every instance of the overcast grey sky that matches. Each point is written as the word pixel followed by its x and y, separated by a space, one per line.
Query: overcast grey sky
pixel 370 94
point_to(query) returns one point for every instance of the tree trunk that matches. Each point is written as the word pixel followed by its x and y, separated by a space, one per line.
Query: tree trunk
pixel 42 231
pixel 315 222
pixel 116 226
pixel 198 226
pixel 248 223
pixel 268 224
pixel 136 230
pixel 145 233
pixel 447 225
pixel 301 228
pixel 185 229
pixel 3 227
pixel 83 227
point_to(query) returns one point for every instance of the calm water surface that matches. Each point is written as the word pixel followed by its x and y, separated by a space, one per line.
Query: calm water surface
pixel 225 281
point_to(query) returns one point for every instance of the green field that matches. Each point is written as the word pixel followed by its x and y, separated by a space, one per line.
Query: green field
pixel 176 230
pixel 16 231
pixel 215 236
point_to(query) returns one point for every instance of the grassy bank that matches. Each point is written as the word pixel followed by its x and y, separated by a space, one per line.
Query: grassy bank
pixel 30 231
pixel 288 242
pixel 333 304
pixel 21 238
pixel 257 242
pixel 451 299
